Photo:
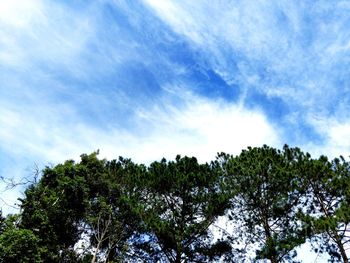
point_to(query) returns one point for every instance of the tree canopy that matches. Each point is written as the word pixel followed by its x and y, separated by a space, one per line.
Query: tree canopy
pixel 97 210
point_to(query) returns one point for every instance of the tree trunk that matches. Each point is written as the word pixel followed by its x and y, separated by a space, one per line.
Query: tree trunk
pixel 333 232
pixel 273 253
pixel 341 248
pixel 343 254
pixel 93 260
pixel 178 258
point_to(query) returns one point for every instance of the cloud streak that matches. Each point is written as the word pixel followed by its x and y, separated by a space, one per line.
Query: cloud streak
pixel 296 52
pixel 148 79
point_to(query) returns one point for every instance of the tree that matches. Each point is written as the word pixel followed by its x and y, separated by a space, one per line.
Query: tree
pixel 18 245
pixel 54 208
pixel 88 199
pixel 104 227
pixel 166 211
pixel 327 203
pixel 181 200
pixel 2 223
pixel 265 196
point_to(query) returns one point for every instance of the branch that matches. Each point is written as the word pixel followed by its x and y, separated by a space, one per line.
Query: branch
pixel 7 204
pixel 12 183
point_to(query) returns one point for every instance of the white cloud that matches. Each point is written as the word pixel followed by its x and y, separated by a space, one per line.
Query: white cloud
pixel 248 26
pixel 295 51
pixel 179 17
pixel 42 43
pixel 200 128
pixel 336 138
pixel 19 13
pixel 34 33
pixel 53 39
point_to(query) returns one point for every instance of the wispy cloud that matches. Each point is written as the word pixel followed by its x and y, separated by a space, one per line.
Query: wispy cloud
pixel 199 127
pixel 298 52
pixel 147 79
pixel 335 133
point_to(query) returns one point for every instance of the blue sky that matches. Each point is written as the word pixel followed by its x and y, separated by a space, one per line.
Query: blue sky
pixel 147 79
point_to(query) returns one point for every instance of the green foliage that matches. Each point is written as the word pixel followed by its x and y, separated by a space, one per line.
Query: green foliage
pixel 265 193
pixel 181 201
pixel 166 211
pixel 72 200
pixel 18 245
pixel 54 208
pixel 327 213
pixel 2 223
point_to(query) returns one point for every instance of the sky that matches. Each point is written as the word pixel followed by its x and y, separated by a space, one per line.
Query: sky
pixel 147 79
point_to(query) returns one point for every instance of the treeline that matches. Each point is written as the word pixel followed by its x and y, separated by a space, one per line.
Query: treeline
pixel 173 211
